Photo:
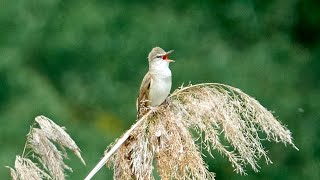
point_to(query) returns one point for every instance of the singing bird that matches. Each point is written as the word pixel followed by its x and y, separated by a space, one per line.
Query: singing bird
pixel 156 84
pixel 154 90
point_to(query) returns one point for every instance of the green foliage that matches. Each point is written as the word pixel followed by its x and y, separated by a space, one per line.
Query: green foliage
pixel 81 64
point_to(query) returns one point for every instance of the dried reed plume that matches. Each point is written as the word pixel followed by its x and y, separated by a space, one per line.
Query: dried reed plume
pixel 41 146
pixel 205 113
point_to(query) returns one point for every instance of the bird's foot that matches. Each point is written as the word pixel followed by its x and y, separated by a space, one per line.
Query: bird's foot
pixel 153 109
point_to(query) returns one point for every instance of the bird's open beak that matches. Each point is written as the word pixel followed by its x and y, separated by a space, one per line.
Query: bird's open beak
pixel 166 55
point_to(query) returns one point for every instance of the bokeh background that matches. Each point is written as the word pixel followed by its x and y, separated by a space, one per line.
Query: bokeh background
pixel 81 62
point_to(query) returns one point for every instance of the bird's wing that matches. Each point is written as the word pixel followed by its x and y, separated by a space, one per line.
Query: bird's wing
pixel 144 93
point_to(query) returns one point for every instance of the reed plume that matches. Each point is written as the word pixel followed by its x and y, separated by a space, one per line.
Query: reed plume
pixel 217 116
pixel 41 143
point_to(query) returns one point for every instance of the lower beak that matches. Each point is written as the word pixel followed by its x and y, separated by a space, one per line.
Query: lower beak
pixel 167 54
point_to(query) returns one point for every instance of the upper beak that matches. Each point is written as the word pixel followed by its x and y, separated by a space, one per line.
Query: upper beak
pixel 167 54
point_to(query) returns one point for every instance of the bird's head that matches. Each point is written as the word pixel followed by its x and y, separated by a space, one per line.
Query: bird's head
pixel 158 55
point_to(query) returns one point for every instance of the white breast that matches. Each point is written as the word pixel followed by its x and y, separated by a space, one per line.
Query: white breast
pixel 160 86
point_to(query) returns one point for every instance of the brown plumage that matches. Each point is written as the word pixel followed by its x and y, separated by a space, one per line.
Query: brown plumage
pixel 143 97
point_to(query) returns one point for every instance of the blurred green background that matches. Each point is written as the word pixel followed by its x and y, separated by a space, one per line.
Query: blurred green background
pixel 81 63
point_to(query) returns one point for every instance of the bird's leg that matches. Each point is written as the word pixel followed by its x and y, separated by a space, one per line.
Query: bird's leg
pixel 166 102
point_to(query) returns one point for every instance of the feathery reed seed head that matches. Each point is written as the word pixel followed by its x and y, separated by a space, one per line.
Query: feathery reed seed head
pixel 41 143
pixel 211 110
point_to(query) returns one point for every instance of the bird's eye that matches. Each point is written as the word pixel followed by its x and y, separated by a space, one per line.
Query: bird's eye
pixel 158 56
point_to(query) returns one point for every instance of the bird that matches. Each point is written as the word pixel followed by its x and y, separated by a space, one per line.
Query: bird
pixel 154 90
pixel 156 84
